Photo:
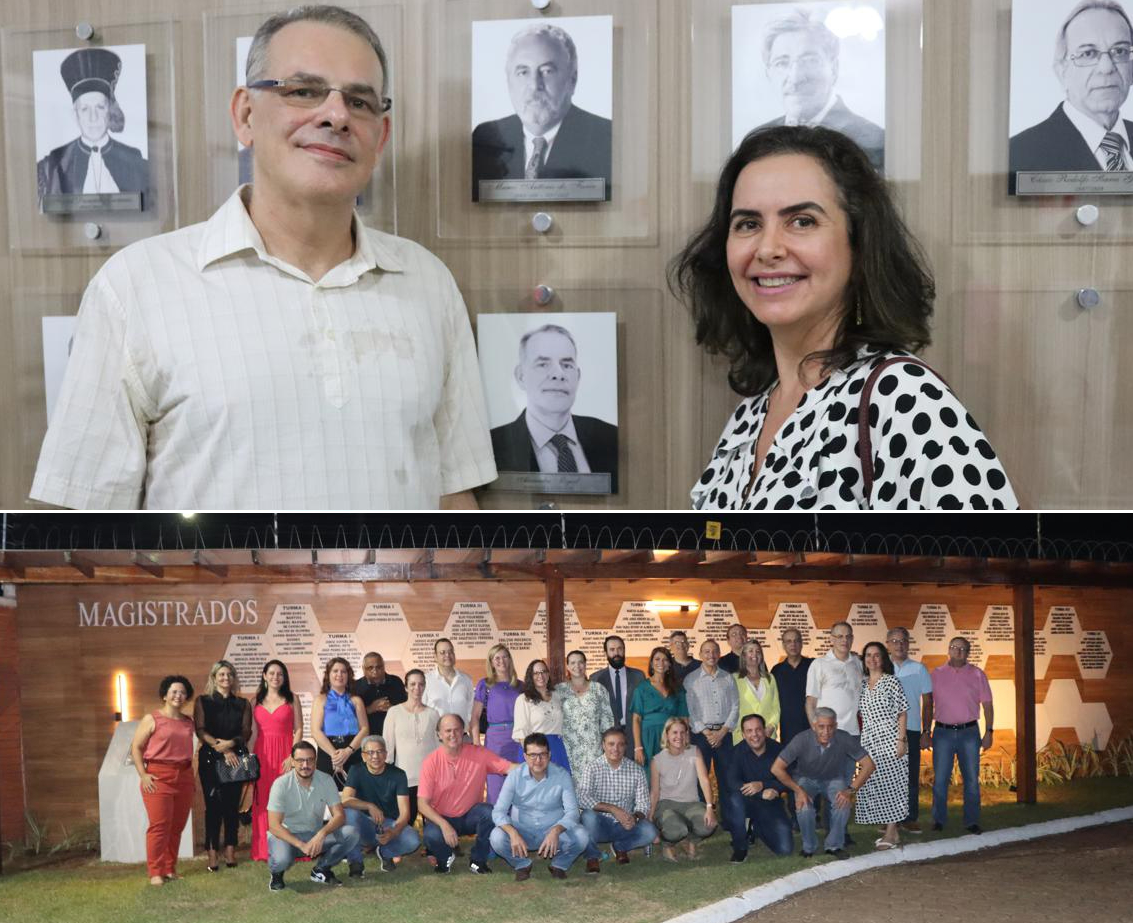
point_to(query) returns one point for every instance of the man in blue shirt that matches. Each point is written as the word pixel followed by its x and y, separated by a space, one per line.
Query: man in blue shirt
pixel 537 809
pixel 754 792
pixel 917 683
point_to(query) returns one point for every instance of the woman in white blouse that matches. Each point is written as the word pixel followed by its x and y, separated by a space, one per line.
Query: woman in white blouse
pixel 540 709
pixel 411 734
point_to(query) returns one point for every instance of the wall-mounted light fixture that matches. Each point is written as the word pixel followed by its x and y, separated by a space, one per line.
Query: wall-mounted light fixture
pixel 119 696
pixel 672 605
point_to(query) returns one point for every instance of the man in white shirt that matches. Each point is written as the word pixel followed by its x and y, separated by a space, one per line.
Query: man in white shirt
pixel 447 689
pixel 280 355
pixel 620 682
pixel 917 683
pixel 1093 59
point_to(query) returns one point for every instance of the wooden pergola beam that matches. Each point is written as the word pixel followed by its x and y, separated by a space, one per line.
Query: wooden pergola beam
pixel 79 562
pixel 146 562
pixel 1026 763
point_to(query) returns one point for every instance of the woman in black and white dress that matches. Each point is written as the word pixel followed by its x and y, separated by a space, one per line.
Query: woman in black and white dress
pixel 884 799
pixel 806 279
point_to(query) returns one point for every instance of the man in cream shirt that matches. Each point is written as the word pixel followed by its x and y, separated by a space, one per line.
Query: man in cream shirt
pixel 281 355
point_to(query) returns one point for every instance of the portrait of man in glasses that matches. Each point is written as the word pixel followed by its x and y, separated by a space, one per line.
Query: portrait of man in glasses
pixel 1085 132
pixel 281 354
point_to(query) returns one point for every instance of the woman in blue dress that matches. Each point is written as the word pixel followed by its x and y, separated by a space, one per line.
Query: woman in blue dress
pixel 338 721
pixel 654 703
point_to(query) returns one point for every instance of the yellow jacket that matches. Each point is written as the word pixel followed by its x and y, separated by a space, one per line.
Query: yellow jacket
pixel 750 705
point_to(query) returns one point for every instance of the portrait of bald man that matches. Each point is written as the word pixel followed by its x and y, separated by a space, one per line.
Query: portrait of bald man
pixel 547 436
pixel 548 136
pixel 1093 61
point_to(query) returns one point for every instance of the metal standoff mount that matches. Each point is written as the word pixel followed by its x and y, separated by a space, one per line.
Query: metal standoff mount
pixel 543 294
pixel 1088 298
pixel 84 31
pixel 542 222
pixel 540 4
pixel 92 231
pixel 1087 214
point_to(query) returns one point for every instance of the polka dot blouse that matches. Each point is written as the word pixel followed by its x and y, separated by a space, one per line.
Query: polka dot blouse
pixel 928 451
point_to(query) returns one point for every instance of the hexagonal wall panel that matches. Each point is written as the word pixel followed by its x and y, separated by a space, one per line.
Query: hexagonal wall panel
pixel 931 631
pixel 640 627
pixel 383 628
pixel 1094 655
pixel 869 624
pixel 791 615
pixel 342 644
pixel 1060 635
pixel 1002 703
pixel 417 654
pixel 996 636
pixel 524 647
pixel 712 621
pixel 248 654
pixel 294 632
pixel 472 629
pixel 1063 707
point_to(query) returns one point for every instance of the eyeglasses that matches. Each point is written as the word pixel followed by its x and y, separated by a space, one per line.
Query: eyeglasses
pixel 302 760
pixel 303 95
pixel 374 753
pixel 541 755
pixel 1089 57
pixel 807 62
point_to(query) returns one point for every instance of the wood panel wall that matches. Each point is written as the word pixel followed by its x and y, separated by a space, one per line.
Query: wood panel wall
pixel 1042 377
pixel 65 672
pixel 11 732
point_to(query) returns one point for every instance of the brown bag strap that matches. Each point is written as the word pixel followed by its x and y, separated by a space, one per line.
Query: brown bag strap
pixel 865 446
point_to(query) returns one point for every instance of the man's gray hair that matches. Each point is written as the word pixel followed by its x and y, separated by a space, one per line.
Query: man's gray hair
pixel 546 328
pixel 373 738
pixel 847 624
pixel 1060 49
pixel 799 20
pixel 327 15
pixel 547 30
pixel 899 629
pixel 823 712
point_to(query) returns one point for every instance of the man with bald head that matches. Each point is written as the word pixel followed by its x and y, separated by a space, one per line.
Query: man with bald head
pixel 1093 60
pixel 548 137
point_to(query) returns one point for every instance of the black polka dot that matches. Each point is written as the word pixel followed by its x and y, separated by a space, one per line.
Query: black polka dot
pixel 959 446
pixel 971 421
pixel 740 411
pixel 852 417
pixel 887 491
pixel 849 476
pixel 887 385
pixel 995 479
pixel 948 417
pixel 780 463
pixel 949 502
pixel 984 449
pixel 997 504
pixel 712 496
pixel 887 427
pixel 741 428
pixel 921 424
pixel 792 479
pixel 826 479
pixel 722 500
pixel 931 391
pixel 836 412
pixel 932 449
pixel 806 503
pixel 915 490
pixel 942 475
pixel 846 492
pixel 856 386
pixel 907 467
pixel 972 475
pixel 897 446
pixel 760 504
pixel 905 403
pixel 878 467
pixel 707 477
pixel 787 430
pixel 834 446
pixel 785 502
pixel 904 504
pixel 912 368
pixel 873 415
pixel 730 476
pixel 978 502
pixel 806 422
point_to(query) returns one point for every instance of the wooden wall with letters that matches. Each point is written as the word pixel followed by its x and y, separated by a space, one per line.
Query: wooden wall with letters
pixel 1042 376
pixel 65 671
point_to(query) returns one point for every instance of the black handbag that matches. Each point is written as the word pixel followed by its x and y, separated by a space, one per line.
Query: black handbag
pixel 247 770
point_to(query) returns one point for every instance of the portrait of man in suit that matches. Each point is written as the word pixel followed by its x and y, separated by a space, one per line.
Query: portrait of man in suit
pixel 548 136
pixel 547 436
pixel 94 162
pixel 801 56
pixel 1093 60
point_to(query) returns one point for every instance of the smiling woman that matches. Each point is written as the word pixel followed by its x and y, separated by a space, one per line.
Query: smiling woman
pixel 806 278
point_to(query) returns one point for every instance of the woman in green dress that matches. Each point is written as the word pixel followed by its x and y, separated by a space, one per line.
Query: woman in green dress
pixel 654 703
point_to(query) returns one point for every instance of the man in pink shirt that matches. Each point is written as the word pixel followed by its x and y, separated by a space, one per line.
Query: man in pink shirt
pixel 449 793
pixel 958 690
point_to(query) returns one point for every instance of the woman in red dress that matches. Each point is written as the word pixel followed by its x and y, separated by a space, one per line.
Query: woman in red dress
pixel 277 725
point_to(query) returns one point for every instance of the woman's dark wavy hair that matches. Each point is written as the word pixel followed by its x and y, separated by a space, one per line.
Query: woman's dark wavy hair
pixel 889 278
pixel 284 691
pixel 529 688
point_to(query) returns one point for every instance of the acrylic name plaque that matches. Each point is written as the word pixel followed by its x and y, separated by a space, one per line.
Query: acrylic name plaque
pixel 1066 182
pixel 591 189
pixel 70 203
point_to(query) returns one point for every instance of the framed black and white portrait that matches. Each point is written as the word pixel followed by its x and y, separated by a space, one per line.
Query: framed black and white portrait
pixel 550 381
pixel 1071 120
pixel 91 137
pixel 811 64
pixel 542 109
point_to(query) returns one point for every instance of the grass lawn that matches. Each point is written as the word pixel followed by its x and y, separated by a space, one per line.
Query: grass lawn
pixel 645 891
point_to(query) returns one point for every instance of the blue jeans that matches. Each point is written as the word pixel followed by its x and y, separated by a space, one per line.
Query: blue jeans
pixel 717 757
pixel 768 819
pixel 839 817
pixel 572 841
pixel 476 820
pixel 282 855
pixel 963 745
pixel 602 828
pixel 403 844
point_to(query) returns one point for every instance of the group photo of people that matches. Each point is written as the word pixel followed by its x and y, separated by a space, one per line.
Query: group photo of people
pixel 612 762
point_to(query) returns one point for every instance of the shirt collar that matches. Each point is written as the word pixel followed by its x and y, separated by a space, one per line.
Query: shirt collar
pixel 542 434
pixel 230 230
pixel 1092 131
pixel 548 135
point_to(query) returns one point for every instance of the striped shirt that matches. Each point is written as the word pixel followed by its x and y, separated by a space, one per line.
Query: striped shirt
pixel 208 374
